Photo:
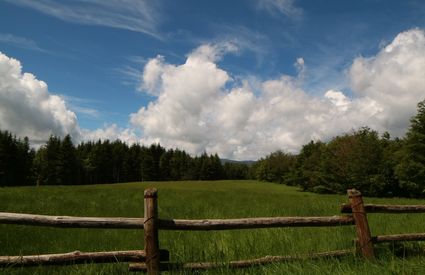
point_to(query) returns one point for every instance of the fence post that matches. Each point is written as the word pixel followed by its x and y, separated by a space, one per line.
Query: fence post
pixel 150 226
pixel 365 244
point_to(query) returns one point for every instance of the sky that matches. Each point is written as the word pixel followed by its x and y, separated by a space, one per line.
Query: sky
pixel 237 78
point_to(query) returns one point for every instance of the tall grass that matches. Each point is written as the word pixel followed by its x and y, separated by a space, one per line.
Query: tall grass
pixel 197 200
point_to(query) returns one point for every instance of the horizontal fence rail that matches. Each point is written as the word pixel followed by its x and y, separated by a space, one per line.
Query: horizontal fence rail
pixel 399 237
pixel 251 223
pixel 74 257
pixel 172 224
pixel 153 259
pixel 72 222
pixel 78 257
pixel 382 208
pixel 244 263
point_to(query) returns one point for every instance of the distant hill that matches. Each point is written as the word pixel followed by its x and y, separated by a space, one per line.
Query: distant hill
pixel 247 162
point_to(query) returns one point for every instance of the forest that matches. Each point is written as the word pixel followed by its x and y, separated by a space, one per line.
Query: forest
pixel 60 162
pixel 375 164
pixel 378 165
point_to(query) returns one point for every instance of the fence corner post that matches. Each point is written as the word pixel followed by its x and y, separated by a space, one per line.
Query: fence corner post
pixel 150 225
pixel 365 244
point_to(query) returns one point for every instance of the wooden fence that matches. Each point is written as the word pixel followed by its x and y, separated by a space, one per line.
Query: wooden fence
pixel 153 259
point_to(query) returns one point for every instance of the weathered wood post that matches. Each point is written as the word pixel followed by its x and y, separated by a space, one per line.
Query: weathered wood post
pixel 365 245
pixel 150 226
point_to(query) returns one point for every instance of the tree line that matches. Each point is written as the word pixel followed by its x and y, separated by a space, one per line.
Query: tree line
pixel 60 162
pixel 376 165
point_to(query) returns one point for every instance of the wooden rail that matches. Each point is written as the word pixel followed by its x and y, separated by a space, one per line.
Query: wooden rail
pixel 153 260
pixel 172 224
pixel 73 222
pixel 251 223
pixel 78 257
pixel 382 208
pixel 73 257
pixel 243 263
pixel 399 237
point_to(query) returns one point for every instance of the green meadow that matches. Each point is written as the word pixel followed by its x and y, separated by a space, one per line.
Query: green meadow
pixel 204 199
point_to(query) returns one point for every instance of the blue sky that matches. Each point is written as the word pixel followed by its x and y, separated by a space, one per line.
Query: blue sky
pixel 94 54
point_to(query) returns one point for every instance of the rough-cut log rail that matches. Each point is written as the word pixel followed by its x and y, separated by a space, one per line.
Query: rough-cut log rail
pixel 78 257
pixel 242 263
pixel 226 224
pixel 73 258
pixel 172 224
pixel 383 208
pixel 67 221
pixel 399 237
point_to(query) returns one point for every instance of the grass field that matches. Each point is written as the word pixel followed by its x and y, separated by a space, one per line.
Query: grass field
pixel 197 200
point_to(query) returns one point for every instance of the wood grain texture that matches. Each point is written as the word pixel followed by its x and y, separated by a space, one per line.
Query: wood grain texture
pixel 250 223
pixel 68 221
pixel 399 237
pixel 365 244
pixel 151 237
pixel 75 257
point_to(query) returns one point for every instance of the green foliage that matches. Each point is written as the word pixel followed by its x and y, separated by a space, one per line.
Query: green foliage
pixel 307 171
pixel 361 159
pixel 59 162
pixel 15 160
pixel 236 171
pixel 353 161
pixel 275 167
pixel 410 169
pixel 378 166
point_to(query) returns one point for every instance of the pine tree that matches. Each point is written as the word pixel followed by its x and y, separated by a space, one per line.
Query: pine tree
pixel 69 162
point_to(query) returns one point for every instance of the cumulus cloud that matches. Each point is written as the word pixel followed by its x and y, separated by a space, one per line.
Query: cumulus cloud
pixel 199 106
pixel 28 109
pixel 393 81
pixel 196 110
pixel 181 111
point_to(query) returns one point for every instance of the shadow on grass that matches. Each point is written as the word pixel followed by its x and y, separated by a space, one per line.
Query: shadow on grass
pixel 401 249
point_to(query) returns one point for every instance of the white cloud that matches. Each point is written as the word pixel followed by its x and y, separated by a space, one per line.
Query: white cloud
pixel 244 39
pixel 110 132
pixel 199 106
pixel 196 111
pixel 28 109
pixel 181 111
pixel 82 106
pixel 338 99
pixel 151 78
pixel 393 81
pixel 285 7
pixel 134 15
